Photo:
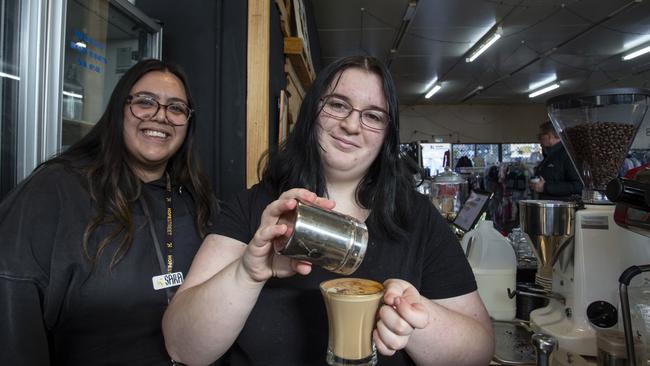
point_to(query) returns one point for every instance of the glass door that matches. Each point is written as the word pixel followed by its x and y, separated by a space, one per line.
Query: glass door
pixel 103 39
pixel 59 61
pixel 10 42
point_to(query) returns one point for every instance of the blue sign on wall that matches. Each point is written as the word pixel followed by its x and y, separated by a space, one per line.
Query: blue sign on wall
pixel 90 53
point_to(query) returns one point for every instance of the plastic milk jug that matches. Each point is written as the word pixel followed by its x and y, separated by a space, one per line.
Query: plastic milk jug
pixel 494 263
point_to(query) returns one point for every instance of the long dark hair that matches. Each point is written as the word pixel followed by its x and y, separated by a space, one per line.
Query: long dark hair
pixel 102 157
pixel 386 189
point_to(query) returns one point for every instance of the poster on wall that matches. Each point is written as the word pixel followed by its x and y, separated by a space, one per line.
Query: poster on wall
pixel 435 156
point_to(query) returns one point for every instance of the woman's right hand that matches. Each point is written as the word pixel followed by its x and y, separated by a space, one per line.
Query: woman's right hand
pixel 259 260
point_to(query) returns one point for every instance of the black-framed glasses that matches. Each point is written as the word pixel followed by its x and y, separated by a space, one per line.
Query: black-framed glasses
pixel 338 108
pixel 144 107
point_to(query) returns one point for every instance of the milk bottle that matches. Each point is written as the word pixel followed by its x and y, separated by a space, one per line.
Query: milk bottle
pixel 494 263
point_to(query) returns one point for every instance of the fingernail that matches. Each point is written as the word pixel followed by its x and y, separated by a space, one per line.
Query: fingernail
pixel 398 300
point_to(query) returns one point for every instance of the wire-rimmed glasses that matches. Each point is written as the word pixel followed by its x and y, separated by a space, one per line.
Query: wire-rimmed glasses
pixel 339 108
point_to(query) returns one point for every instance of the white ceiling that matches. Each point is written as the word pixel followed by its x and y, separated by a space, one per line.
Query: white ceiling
pixel 580 42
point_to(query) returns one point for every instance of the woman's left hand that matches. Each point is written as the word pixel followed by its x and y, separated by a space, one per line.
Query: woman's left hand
pixel 401 313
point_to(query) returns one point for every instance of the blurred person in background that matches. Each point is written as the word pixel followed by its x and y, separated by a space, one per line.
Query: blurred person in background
pixel 555 176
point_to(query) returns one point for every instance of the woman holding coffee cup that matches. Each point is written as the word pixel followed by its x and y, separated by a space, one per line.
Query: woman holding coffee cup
pixel 246 303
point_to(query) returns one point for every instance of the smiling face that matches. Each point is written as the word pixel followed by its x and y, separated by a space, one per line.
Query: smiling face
pixel 152 142
pixel 348 148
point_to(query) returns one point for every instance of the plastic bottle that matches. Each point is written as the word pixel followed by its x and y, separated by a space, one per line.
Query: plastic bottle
pixel 494 264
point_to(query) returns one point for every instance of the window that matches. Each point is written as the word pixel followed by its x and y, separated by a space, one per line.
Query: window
pixel 44 106
pixel 459 150
pixel 529 152
pixel 10 42
pixel 479 154
pixel 101 43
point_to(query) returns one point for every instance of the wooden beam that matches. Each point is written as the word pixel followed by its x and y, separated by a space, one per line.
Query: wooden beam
pixel 295 51
pixel 292 77
pixel 257 86
pixel 284 18
pixel 293 45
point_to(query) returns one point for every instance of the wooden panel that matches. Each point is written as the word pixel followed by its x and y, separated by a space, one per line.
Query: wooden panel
pixel 296 92
pixel 284 18
pixel 294 103
pixel 300 17
pixel 290 71
pixel 293 45
pixel 293 48
pixel 257 98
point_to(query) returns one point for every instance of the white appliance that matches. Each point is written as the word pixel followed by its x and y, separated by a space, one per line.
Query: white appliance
pixel 596 129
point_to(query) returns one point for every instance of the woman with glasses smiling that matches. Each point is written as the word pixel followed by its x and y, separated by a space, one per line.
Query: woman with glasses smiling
pixel 97 239
pixel 342 154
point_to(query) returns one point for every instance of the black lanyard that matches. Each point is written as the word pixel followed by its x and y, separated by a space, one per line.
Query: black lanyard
pixel 169 234
pixel 169 238
pixel 168 265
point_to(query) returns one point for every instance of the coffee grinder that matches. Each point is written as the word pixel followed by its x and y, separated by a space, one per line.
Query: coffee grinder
pixel 597 130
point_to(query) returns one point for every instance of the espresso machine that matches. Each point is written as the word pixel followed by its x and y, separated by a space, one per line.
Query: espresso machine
pixel 632 197
pixel 581 251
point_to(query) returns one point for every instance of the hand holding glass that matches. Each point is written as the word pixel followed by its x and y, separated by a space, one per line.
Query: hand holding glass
pixel 352 305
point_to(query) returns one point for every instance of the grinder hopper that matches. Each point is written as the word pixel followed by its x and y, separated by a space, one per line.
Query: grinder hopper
pixel 550 226
pixel 597 129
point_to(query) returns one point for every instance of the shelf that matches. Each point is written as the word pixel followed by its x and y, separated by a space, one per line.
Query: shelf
pixel 294 49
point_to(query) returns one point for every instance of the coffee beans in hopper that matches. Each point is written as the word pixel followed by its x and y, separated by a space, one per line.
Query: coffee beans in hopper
pixel 602 145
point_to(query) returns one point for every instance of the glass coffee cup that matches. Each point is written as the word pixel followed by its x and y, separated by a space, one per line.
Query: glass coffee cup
pixel 352 305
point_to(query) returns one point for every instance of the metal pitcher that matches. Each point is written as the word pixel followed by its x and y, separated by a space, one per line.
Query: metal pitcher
pixel 329 239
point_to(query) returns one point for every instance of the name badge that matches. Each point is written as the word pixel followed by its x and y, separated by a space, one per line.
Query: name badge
pixel 167 280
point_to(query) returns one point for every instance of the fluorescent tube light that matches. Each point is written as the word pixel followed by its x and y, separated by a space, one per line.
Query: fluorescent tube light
pixel 473 93
pixel 431 83
pixel 433 91
pixel 544 90
pixel 542 83
pixel 636 53
pixel 410 11
pixel 4 75
pixel 74 95
pixel 484 46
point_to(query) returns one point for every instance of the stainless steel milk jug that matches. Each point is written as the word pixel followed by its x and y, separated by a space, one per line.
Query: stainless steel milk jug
pixel 329 239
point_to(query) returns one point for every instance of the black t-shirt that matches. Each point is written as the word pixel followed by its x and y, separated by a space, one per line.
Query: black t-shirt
pixel 288 324
pixel 54 308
